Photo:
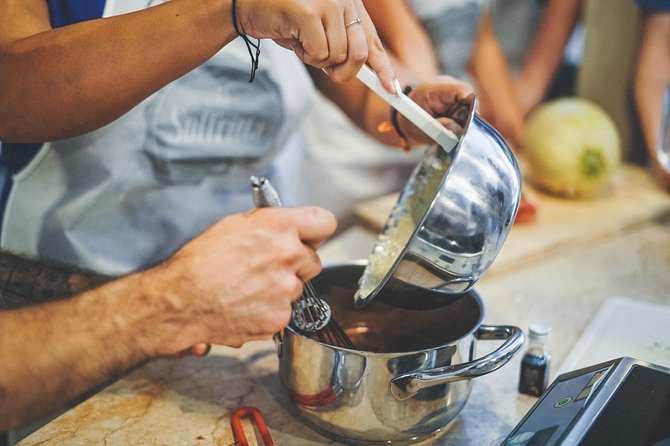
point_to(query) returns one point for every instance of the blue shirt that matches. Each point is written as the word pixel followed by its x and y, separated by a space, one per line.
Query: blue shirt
pixel 655 5
pixel 61 13
pixel 13 157
pixel 67 12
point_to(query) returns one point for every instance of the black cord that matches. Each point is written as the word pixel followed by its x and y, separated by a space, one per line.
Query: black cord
pixel 394 113
pixel 249 43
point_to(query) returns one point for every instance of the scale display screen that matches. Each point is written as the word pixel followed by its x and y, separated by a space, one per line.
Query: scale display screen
pixel 612 403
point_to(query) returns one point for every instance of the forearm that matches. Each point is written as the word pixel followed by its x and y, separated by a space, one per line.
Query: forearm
pixel 54 352
pixel 43 378
pixel 494 83
pixel 404 36
pixel 546 52
pixel 28 282
pixel 652 75
pixel 495 87
pixel 71 80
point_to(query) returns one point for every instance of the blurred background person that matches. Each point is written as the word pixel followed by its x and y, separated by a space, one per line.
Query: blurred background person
pixel 652 77
pixel 542 42
pixel 512 51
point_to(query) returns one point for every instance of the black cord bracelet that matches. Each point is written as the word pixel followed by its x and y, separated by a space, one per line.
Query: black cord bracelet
pixel 250 44
pixel 394 113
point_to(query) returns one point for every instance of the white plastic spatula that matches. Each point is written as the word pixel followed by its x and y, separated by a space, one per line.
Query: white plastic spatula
pixel 444 137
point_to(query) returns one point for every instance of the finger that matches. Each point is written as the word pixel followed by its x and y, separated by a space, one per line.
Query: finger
pixel 297 287
pixel 293 45
pixel 314 224
pixel 356 49
pixel 452 125
pixel 292 287
pixel 377 58
pixel 313 44
pixel 336 35
pixel 443 94
pixel 200 349
pixel 310 266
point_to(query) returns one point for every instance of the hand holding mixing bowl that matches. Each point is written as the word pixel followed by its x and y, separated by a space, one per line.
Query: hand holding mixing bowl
pixel 451 218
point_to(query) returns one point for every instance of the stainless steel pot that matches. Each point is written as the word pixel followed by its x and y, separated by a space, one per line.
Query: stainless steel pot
pixel 410 373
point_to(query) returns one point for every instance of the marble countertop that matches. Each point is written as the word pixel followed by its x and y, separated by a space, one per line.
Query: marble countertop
pixel 189 401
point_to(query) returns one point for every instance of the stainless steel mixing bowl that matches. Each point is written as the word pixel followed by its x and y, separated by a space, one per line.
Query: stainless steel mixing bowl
pixel 409 375
pixel 449 223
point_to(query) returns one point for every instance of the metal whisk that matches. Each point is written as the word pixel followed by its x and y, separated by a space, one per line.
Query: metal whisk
pixel 311 314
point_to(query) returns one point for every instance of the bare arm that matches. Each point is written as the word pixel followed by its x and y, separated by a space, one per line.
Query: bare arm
pixel 437 95
pixel 495 87
pixel 53 352
pixel 71 80
pixel 397 27
pixel 62 82
pixel 413 59
pixel 403 36
pixel 546 53
pixel 652 75
pixel 29 282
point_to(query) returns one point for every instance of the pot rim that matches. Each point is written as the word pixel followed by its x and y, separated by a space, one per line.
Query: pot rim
pixel 362 263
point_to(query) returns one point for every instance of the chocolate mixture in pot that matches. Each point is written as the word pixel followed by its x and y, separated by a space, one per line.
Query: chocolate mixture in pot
pixel 382 328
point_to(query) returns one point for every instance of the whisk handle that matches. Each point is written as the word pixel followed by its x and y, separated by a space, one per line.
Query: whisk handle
pixel 264 195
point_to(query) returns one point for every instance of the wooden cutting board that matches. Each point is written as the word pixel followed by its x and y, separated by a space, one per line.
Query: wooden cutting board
pixel 634 197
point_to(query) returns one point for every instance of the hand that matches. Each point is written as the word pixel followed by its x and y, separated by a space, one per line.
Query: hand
pixel 324 34
pixel 236 281
pixel 508 120
pixel 444 97
pixel 527 97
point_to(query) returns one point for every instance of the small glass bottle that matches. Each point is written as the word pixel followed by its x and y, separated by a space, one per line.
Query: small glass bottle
pixel 535 363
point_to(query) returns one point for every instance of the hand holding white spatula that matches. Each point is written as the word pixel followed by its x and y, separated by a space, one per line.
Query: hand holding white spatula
pixel 433 111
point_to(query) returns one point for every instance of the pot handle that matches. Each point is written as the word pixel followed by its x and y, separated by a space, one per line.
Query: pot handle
pixel 406 386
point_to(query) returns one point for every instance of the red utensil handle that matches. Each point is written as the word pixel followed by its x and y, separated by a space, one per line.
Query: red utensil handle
pixel 255 416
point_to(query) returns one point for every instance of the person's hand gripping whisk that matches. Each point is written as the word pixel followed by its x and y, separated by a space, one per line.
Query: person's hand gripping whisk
pixel 311 314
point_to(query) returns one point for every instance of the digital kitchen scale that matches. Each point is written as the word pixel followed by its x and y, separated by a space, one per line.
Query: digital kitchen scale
pixel 620 402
